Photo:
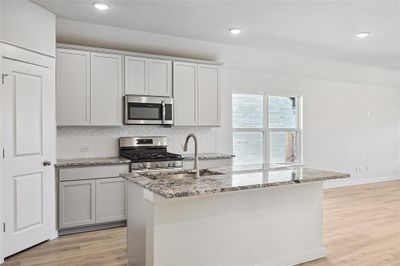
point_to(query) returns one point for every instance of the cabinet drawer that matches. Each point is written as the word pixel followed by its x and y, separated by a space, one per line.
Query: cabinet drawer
pixel 92 172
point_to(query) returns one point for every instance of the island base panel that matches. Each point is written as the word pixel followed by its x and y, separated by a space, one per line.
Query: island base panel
pixel 272 226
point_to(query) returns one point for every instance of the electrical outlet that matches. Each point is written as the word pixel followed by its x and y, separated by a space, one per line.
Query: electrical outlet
pixel 84 148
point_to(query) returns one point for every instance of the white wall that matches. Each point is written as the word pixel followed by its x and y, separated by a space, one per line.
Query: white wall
pixel 337 95
pixel 28 26
pixel 337 133
pixel 247 59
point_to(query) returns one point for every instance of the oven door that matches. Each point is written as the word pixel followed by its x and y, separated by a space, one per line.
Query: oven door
pixel 148 110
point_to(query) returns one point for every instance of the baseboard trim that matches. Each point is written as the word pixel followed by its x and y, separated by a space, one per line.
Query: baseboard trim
pixel 82 229
pixel 54 235
pixel 357 181
pixel 297 258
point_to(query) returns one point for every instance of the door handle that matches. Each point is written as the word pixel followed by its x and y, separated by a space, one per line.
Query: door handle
pixel 46 163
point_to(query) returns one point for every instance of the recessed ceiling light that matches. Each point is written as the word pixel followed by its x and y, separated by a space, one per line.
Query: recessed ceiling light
pixel 363 34
pixel 100 6
pixel 235 31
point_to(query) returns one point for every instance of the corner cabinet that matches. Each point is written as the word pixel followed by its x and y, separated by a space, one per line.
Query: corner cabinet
pixel 197 97
pixel 89 88
pixel 148 77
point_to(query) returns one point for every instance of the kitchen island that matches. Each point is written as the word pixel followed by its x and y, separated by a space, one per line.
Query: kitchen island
pixel 250 215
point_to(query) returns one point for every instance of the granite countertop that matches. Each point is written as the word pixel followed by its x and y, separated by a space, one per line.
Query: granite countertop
pixel 207 156
pixel 231 178
pixel 91 161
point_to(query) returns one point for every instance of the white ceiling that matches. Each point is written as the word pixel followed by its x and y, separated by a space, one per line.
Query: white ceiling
pixel 322 29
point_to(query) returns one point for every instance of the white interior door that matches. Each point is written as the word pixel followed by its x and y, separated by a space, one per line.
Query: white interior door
pixel 28 138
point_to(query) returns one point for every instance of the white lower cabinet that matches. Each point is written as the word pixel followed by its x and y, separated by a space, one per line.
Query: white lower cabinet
pixel 93 201
pixel 110 200
pixel 76 203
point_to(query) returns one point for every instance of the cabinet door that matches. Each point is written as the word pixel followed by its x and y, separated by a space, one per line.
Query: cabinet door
pixel 208 95
pixel 106 89
pixel 185 98
pixel 110 200
pixel 136 75
pixel 73 87
pixel 160 77
pixel 76 203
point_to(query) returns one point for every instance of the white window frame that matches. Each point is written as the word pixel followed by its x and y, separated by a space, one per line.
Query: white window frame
pixel 266 131
pixel 298 129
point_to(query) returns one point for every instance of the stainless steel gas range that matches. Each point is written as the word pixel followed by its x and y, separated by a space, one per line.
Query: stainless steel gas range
pixel 148 153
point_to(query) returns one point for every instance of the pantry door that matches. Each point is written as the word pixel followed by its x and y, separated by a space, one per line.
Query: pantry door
pixel 28 142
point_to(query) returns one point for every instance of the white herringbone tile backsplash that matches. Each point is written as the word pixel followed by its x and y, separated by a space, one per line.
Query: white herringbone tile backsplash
pixel 86 142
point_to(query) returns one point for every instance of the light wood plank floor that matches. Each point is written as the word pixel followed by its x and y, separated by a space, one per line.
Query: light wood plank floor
pixel 361 227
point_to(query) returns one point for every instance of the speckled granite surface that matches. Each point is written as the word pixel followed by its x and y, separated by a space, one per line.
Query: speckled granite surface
pixel 207 156
pixel 232 178
pixel 91 161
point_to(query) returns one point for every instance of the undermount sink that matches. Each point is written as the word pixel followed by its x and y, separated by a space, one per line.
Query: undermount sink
pixel 180 174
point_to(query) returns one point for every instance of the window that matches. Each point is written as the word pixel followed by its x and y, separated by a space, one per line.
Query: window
pixel 266 128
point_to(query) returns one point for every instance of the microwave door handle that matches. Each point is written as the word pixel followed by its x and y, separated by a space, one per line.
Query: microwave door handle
pixel 163 112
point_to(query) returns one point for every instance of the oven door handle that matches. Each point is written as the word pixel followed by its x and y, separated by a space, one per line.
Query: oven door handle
pixel 163 112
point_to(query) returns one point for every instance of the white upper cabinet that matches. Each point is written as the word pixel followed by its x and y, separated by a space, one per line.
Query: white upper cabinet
pixel 209 95
pixel 185 94
pixel 196 95
pixel 136 75
pixel 89 88
pixel 73 87
pixel 106 89
pixel 160 77
pixel 148 77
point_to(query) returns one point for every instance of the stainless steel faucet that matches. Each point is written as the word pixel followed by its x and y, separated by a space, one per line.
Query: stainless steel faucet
pixel 196 155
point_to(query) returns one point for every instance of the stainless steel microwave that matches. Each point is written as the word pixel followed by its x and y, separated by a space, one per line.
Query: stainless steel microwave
pixel 148 110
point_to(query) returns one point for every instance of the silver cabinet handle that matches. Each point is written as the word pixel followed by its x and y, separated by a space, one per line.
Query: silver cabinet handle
pixel 46 163
pixel 163 111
